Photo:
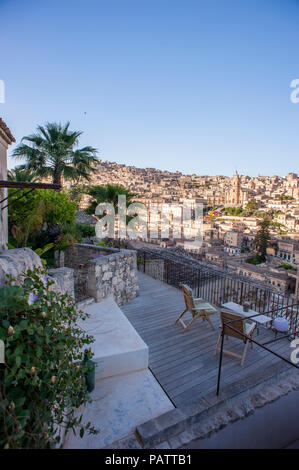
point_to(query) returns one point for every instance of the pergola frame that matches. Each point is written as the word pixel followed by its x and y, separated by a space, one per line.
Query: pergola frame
pixel 24 185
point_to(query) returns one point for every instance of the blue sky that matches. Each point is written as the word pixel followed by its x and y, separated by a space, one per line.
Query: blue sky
pixel 190 85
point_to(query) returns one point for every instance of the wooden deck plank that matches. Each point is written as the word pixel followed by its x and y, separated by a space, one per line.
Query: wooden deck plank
pixel 183 362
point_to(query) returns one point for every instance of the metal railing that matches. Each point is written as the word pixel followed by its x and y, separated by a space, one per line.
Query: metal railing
pixel 217 286
pixel 228 325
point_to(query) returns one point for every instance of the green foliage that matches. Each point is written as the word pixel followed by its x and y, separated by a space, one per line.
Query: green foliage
pixel 44 249
pixel 282 232
pixel 108 194
pixel 39 251
pixel 51 152
pixel 60 210
pixel 21 173
pixel 254 260
pixel 251 206
pixel 86 230
pixel 236 211
pixel 288 267
pixel 262 239
pixel 43 381
pixel 276 224
pixel 284 197
pixel 251 209
pixel 28 215
pixel 76 192
pixel 69 234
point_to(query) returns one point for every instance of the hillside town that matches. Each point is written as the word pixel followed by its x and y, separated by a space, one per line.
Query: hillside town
pixel 232 207
pixel 149 228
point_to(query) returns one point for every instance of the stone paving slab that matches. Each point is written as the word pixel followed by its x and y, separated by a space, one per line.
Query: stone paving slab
pixel 119 404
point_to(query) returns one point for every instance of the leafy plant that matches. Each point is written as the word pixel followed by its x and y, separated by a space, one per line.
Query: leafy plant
pixel 86 230
pixel 21 173
pixel 76 192
pixel 254 260
pixel 43 381
pixel 108 193
pixel 288 267
pixel 36 212
pixel 41 251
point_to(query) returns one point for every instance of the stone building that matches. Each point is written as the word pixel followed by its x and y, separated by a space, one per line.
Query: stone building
pixel 236 196
pixel 6 139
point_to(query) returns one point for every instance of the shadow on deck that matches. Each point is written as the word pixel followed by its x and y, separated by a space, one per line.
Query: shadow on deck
pixel 184 363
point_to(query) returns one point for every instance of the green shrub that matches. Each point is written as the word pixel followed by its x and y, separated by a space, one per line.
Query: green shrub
pixel 30 214
pixel 42 383
pixel 86 230
pixel 254 260
pixel 287 267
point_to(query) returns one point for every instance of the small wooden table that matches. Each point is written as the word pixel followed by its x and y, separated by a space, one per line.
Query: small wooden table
pixel 237 308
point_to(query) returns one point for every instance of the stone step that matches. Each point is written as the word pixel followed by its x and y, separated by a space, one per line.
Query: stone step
pixel 118 405
pixel 118 348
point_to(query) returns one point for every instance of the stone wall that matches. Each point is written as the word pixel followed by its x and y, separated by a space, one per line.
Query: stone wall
pixel 63 280
pixel 101 272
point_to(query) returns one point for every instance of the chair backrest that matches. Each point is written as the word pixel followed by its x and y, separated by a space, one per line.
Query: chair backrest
pixel 188 297
pixel 226 317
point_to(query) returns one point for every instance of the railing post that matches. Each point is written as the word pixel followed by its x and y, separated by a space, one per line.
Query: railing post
pixel 220 360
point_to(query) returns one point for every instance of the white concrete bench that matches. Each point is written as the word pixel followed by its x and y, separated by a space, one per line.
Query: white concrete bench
pixel 118 348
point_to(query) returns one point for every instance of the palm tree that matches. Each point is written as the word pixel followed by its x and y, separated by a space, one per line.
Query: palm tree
pixel 21 173
pixel 51 153
pixel 108 193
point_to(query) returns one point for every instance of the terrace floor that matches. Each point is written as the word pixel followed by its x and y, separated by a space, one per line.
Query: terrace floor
pixel 184 363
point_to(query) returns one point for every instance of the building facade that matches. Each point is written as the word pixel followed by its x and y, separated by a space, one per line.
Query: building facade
pixel 6 139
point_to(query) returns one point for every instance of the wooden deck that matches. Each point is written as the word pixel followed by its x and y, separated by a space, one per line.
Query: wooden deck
pixel 183 363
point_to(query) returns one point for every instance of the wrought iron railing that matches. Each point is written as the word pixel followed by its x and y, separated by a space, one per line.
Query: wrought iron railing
pixel 217 286
pixel 230 325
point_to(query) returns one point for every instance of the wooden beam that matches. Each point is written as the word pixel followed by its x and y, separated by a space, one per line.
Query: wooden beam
pixel 25 185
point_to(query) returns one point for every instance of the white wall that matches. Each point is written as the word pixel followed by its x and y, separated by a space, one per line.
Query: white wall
pixel 3 192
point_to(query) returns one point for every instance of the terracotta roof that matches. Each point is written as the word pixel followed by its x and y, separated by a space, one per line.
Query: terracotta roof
pixel 6 133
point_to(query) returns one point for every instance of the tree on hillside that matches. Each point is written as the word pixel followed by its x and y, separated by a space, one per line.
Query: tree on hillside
pixel 262 239
pixel 108 193
pixel 51 152
pixel 76 192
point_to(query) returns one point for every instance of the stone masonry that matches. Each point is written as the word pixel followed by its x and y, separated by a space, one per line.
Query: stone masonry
pixel 101 272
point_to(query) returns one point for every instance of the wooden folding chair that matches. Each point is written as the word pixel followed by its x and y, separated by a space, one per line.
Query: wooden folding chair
pixel 199 308
pixel 242 326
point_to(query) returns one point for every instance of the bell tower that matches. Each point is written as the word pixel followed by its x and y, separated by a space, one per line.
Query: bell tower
pixel 235 192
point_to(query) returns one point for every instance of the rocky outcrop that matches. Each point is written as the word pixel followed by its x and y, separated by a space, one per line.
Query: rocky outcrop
pixel 83 218
pixel 15 263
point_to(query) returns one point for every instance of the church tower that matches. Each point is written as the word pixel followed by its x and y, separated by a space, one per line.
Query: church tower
pixel 236 190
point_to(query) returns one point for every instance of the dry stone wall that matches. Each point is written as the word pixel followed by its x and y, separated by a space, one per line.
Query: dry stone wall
pixel 101 272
